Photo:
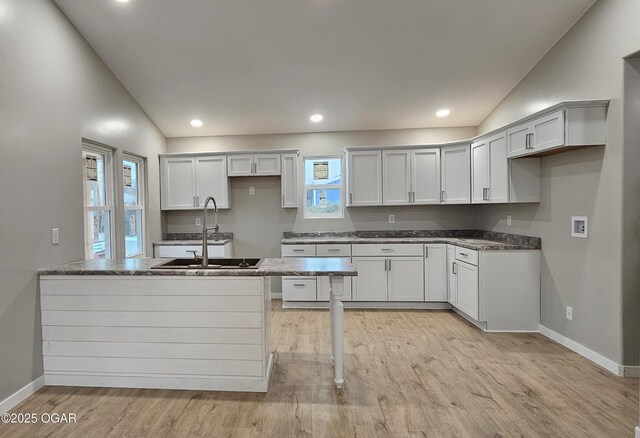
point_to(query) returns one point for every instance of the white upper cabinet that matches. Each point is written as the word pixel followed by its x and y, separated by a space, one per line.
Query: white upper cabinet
pixel 479 171
pixel 240 165
pixel 254 164
pixel 490 170
pixel 266 164
pixel 411 176
pixel 178 183
pixel 364 178
pixel 425 176
pixel 396 177
pixel 455 174
pixel 575 124
pixel 211 180
pixel 187 181
pixel 289 181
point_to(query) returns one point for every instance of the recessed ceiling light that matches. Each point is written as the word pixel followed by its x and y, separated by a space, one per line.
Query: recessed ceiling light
pixel 443 113
pixel 195 122
pixel 316 118
pixel 122 1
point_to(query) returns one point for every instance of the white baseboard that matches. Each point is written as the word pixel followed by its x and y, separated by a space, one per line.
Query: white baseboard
pixel 583 351
pixel 276 295
pixel 20 395
pixel 637 431
pixel 629 371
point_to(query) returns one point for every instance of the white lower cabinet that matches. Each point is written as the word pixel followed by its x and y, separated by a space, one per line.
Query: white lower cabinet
pixel 371 282
pixel 435 273
pixel 405 278
pixel 388 279
pixel 452 282
pixel 467 288
pixel 299 289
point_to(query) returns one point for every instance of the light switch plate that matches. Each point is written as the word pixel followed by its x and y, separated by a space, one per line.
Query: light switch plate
pixel 509 219
pixel 198 221
pixel 570 313
pixel 392 218
pixel 252 190
pixel 55 236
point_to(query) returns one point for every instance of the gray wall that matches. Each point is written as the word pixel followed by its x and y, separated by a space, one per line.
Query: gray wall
pixel 587 63
pixel 54 90
pixel 258 221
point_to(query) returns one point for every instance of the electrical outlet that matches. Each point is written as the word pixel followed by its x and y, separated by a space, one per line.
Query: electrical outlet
pixel 392 218
pixel 252 190
pixel 198 222
pixel 509 219
pixel 570 313
pixel 55 236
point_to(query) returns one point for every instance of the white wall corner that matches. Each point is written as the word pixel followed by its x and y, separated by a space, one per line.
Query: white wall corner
pixel 20 395
pixel 583 351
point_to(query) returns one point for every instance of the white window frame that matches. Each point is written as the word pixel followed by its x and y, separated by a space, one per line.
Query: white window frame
pixel 309 215
pixel 109 205
pixel 141 207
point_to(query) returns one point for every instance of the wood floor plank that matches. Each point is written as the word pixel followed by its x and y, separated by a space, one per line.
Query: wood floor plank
pixel 408 374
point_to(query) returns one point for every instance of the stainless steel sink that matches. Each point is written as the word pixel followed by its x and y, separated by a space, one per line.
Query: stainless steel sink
pixel 237 263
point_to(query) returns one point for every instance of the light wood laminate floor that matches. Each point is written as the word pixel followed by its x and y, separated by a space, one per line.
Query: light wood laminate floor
pixel 408 373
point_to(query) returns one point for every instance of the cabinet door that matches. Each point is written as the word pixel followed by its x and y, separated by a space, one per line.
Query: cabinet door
pixel 240 165
pixel 499 169
pixel 456 175
pixel 365 178
pixel 266 164
pixel 425 176
pixel 517 140
pixel 435 273
pixel 480 174
pixel 178 183
pixel 396 177
pixel 371 282
pixel 468 298
pixel 289 181
pixel 548 131
pixel 405 278
pixel 211 180
pixel 452 279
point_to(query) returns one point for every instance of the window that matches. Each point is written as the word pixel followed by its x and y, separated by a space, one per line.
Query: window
pixel 134 214
pixel 98 202
pixel 323 187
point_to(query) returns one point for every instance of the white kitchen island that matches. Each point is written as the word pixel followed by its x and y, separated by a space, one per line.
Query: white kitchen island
pixel 119 323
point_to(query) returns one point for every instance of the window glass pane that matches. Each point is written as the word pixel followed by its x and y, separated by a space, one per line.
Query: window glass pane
pixel 94 179
pixel 323 202
pixel 322 171
pixel 131 188
pixel 133 232
pixel 98 235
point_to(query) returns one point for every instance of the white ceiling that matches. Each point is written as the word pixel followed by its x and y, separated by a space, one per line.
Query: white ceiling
pixel 264 66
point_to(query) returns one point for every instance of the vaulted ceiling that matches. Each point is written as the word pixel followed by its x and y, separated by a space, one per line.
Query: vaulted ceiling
pixel 265 66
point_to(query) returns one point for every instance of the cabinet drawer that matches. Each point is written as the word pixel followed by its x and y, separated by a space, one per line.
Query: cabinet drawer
pixel 467 255
pixel 390 250
pixel 298 250
pixel 331 250
pixel 298 289
pixel 185 251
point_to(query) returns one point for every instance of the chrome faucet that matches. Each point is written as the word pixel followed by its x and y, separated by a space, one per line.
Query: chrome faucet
pixel 205 230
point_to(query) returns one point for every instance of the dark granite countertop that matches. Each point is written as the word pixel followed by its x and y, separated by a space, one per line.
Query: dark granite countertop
pixel 210 242
pixel 471 239
pixel 310 267
pixel 192 239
